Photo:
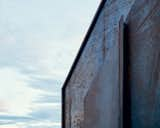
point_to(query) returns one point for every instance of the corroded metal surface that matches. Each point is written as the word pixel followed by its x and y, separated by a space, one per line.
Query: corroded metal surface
pixel 104 96
pixel 97 73
pixel 144 63
pixel 93 92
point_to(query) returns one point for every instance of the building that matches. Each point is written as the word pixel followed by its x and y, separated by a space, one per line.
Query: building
pixel 115 79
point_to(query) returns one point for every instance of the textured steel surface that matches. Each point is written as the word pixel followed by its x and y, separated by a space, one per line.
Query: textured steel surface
pixel 144 63
pixel 97 73
pixel 101 101
pixel 92 93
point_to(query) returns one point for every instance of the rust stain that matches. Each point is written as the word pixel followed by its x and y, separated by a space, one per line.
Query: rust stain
pixel 149 15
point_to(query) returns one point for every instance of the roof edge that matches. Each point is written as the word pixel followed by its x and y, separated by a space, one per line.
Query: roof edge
pixel 94 21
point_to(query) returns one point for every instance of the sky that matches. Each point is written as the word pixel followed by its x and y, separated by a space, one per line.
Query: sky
pixel 39 40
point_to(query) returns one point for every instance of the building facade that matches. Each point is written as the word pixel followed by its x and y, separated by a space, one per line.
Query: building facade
pixel 115 79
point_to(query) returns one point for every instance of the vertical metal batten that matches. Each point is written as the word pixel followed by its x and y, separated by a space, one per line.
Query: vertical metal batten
pixel 126 85
pixel 121 70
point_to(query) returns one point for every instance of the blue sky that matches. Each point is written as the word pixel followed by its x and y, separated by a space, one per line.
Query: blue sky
pixel 39 40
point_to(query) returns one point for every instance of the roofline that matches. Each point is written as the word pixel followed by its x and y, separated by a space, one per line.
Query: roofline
pixel 83 45
pixel 94 21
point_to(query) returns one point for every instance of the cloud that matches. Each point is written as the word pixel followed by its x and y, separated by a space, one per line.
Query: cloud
pixel 15 93
pixel 7 120
pixel 9 126
pixel 48 99
pixel 15 118
pixel 46 114
pixel 25 104
pixel 3 106
pixel 45 125
pixel 48 85
pixel 26 122
pixel 42 124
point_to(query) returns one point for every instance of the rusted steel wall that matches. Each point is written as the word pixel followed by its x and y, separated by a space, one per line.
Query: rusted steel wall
pixel 101 100
pixel 92 95
pixel 144 63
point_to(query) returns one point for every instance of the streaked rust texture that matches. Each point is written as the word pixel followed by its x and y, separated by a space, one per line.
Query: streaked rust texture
pixel 144 67
pixel 93 94
pixel 97 72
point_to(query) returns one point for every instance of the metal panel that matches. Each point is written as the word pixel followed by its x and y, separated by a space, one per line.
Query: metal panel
pixel 97 62
pixel 105 94
pixel 144 63
pixel 121 69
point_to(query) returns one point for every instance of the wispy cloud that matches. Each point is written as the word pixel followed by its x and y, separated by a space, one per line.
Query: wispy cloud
pixel 26 122
pixel 16 118
pixel 49 98
pixel 3 106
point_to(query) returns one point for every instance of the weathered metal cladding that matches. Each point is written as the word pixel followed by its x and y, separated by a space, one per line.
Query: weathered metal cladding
pixel 144 63
pixel 101 100
pixel 97 74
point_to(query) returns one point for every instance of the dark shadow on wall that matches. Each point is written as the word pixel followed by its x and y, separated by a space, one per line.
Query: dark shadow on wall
pixel 126 86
